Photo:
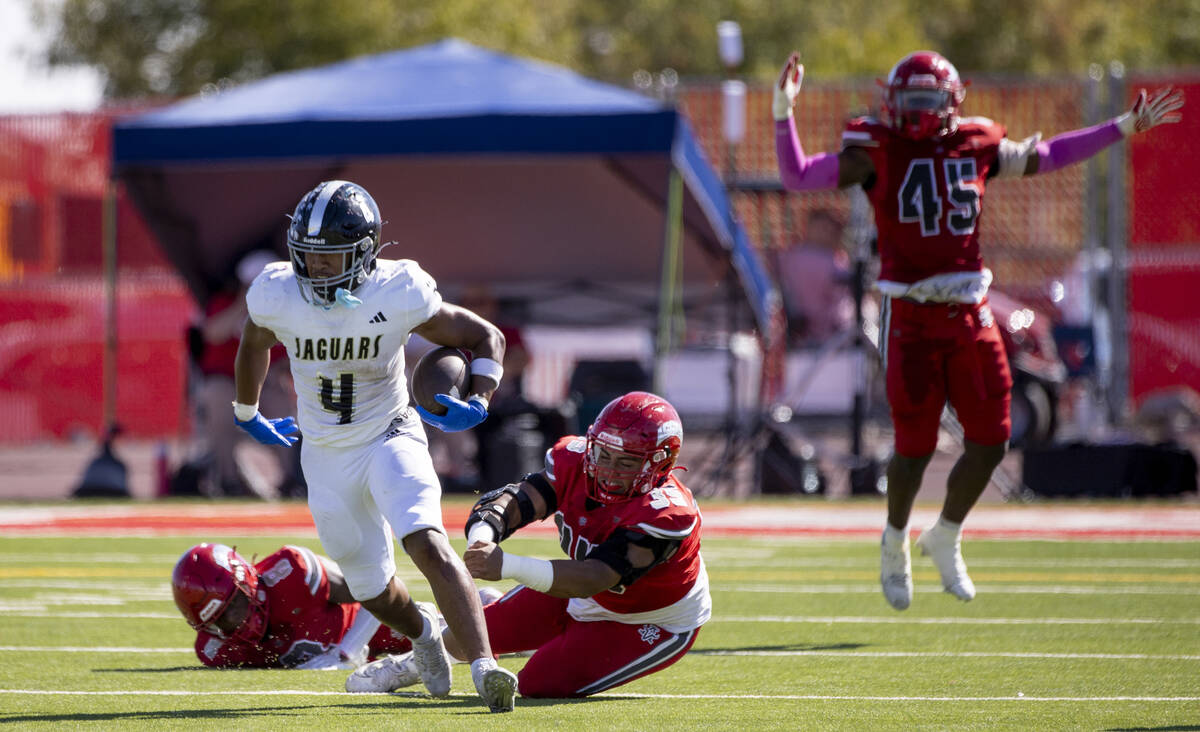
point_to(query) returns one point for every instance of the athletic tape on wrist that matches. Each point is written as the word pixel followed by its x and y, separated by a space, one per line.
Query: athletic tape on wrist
pixel 244 412
pixel 536 574
pixel 481 532
pixel 488 368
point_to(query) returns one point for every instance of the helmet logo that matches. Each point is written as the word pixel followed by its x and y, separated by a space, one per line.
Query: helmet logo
pixel 210 609
pixel 670 428
pixel 609 438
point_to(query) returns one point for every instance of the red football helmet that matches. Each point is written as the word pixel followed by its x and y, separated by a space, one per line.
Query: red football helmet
pixel 638 425
pixel 922 95
pixel 205 580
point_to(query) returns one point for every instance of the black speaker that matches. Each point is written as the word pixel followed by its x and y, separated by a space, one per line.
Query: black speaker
pixel 1109 471
pixel 784 471
pixel 594 384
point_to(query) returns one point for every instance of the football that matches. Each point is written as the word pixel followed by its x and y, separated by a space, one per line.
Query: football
pixel 443 370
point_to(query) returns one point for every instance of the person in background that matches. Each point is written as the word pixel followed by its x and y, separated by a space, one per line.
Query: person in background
pixel 925 169
pixel 814 277
pixel 214 347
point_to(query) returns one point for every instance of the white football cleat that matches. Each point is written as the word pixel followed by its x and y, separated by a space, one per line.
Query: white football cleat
pixel 497 686
pixel 430 658
pixel 384 675
pixel 895 572
pixel 944 547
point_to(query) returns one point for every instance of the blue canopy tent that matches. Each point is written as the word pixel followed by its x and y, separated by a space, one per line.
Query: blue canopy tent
pixel 545 185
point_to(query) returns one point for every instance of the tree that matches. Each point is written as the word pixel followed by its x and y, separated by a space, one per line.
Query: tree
pixel 177 47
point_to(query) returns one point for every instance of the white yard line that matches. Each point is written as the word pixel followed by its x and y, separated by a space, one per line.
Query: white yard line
pixel 958 654
pixel 702 652
pixel 86 615
pixel 988 588
pixel 721 562
pixel 832 619
pixel 92 649
pixel 616 695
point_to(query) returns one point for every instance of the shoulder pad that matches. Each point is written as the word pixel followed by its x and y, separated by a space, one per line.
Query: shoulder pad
pixel 412 287
pixel 290 560
pixel 863 132
pixel 268 293
pixel 672 526
pixel 982 126
pixel 567 451
pixel 411 271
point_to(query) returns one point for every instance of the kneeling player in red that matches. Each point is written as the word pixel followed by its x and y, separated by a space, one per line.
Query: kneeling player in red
pixel 291 610
pixel 634 593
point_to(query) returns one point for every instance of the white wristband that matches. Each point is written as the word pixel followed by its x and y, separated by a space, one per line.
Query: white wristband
pixel 488 368
pixel 244 412
pixel 536 574
pixel 1126 123
pixel 481 532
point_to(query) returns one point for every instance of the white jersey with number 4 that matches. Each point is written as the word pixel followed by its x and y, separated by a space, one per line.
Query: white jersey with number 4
pixel 347 364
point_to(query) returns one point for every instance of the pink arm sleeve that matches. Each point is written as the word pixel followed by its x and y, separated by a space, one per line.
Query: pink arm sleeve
pixel 798 172
pixel 1072 147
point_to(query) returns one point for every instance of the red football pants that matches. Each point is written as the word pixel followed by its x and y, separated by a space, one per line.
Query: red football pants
pixel 572 658
pixel 934 353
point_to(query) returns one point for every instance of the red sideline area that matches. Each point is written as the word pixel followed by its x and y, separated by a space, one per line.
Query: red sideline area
pixel 1061 521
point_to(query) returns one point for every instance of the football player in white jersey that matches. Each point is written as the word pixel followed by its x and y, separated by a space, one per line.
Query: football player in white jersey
pixel 344 315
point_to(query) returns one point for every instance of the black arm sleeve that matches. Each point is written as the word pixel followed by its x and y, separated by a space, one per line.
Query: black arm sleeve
pixel 614 552
pixel 545 490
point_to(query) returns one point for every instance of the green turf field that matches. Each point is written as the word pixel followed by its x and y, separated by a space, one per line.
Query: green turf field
pixel 1063 635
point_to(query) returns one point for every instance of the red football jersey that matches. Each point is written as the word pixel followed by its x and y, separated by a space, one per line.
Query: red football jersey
pixel 928 195
pixel 301 620
pixel 668 511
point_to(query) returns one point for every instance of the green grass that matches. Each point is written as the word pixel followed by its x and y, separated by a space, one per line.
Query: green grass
pixel 801 638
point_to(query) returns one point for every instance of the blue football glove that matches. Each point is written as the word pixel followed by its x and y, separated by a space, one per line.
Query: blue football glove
pixel 459 415
pixel 270 431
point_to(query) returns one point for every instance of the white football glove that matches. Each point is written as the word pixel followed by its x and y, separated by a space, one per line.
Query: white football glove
pixel 1148 112
pixel 788 87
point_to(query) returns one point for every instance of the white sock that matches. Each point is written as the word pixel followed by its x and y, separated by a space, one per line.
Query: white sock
pixel 893 535
pixel 426 630
pixel 482 665
pixel 950 526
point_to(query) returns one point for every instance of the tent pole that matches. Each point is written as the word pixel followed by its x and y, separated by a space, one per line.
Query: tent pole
pixel 669 294
pixel 106 476
pixel 110 306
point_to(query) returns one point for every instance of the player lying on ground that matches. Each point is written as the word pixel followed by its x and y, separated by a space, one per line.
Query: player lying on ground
pixel 291 610
pixel 631 599
pixel 925 169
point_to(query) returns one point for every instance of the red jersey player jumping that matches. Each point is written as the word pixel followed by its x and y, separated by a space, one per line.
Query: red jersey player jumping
pixel 634 593
pixel 291 610
pixel 925 169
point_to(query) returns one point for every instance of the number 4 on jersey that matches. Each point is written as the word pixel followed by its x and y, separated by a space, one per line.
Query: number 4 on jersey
pixel 920 203
pixel 343 404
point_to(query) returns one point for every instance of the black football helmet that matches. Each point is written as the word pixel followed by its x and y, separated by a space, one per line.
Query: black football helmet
pixel 336 217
